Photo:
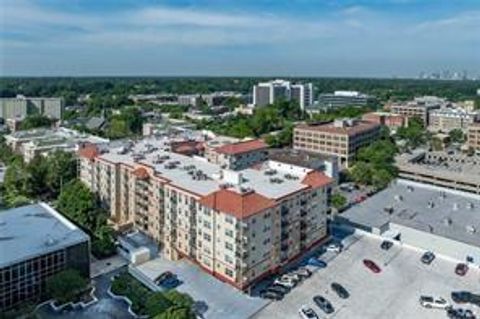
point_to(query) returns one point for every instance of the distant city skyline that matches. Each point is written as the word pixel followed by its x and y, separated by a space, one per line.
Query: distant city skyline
pixel 301 38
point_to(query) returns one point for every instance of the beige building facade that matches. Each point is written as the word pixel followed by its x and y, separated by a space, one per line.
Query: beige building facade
pixel 238 226
pixel 342 138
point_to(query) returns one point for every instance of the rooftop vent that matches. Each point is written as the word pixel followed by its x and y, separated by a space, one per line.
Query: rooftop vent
pixel 245 190
pixel 447 221
pixel 270 172
pixel 398 198
pixel 170 165
pixel 455 206
pixel 410 188
pixel 470 229
pixel 443 195
pixel 470 205
pixel 276 180
pixel 430 204
pixel 388 209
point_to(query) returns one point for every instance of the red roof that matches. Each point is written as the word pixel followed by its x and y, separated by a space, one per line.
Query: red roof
pixel 239 205
pixel 141 173
pixel 316 179
pixel 89 151
pixel 242 147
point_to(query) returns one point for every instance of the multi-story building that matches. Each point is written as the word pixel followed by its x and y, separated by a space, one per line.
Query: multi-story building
pixel 339 99
pixel 21 106
pixel 239 155
pixel 42 142
pixel 341 138
pixel 420 107
pixel 473 136
pixel 189 99
pixel 237 225
pixel 455 171
pixel 37 242
pixel 392 121
pixel 268 92
pixel 447 119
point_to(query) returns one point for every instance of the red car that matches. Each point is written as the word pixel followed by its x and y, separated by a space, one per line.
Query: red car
pixel 461 269
pixel 371 265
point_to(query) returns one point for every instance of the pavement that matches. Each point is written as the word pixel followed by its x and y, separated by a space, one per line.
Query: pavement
pixel 214 298
pixel 99 267
pixel 105 308
pixel 392 294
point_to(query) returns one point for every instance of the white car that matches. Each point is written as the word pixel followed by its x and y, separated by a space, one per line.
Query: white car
pixel 307 313
pixel 335 247
pixel 285 281
pixel 431 302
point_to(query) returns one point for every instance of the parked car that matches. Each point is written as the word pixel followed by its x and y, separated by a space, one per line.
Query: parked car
pixel 268 294
pixel 323 304
pixel 431 302
pixel 307 313
pixel 167 280
pixel 461 296
pixel 285 281
pixel 278 288
pixel 335 247
pixel 460 313
pixel 294 276
pixel 302 272
pixel 372 265
pixel 386 245
pixel 428 257
pixel 461 269
pixel 340 290
pixel 316 262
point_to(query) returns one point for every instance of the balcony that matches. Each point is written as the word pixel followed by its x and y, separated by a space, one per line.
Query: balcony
pixel 303 213
pixel 284 211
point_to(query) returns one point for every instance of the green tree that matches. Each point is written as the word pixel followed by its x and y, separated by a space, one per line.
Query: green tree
pixel 62 168
pixel 157 303
pixel 179 299
pixel 338 200
pixel 65 285
pixel 176 312
pixel 456 136
pixel 414 133
pixel 35 121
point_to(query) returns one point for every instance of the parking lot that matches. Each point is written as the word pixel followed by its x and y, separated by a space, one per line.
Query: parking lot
pixel 214 299
pixel 392 293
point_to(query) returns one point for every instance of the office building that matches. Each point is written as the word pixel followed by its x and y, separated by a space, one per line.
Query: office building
pixel 392 121
pixel 340 99
pixel 420 107
pixel 341 138
pixel 20 107
pixel 41 142
pixel 266 93
pixel 473 136
pixel 447 119
pixel 189 99
pixel 36 243
pixel 455 171
pixel 428 217
pixel 238 226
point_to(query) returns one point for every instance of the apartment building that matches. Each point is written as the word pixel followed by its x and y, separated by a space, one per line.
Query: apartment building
pixel 266 93
pixel 237 225
pixel 37 242
pixel 22 106
pixel 473 136
pixel 447 119
pixel 420 107
pixel 239 155
pixel 341 138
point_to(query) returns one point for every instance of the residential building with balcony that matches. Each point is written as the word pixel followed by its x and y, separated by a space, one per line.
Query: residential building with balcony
pixel 21 106
pixel 473 136
pixel 341 138
pixel 266 93
pixel 239 155
pixel 238 226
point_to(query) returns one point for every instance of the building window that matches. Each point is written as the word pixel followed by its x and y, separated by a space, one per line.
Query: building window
pixel 207 237
pixel 229 233
pixel 229 246
pixel 228 272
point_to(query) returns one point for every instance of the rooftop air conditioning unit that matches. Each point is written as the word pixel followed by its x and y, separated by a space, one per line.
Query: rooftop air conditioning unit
pixel 398 198
pixel 455 206
pixel 471 229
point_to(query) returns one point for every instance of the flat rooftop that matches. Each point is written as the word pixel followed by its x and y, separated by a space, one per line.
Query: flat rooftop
pixel 449 167
pixel 33 230
pixel 441 211
pixel 346 128
pixel 270 179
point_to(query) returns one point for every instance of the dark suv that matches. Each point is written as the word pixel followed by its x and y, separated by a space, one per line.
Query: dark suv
pixel 323 304
pixel 428 257
pixel 340 290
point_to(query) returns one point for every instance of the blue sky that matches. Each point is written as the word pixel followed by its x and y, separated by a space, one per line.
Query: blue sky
pixel 241 37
